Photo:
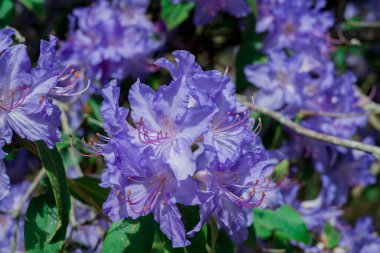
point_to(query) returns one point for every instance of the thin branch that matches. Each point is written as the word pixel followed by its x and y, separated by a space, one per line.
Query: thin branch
pixel 311 133
pixel 366 103
pixel 374 122
pixel 306 113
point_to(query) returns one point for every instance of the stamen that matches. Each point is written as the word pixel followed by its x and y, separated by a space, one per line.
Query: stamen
pixel 66 89
pixel 95 153
pixel 8 103
pixel 148 136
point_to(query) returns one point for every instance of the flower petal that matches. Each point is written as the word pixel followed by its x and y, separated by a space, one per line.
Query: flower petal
pixel 169 217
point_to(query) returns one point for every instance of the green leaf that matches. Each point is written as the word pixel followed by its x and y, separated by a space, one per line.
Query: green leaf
pixel 284 220
pixel 87 190
pixel 253 5
pixel 95 109
pixel 7 11
pixel 174 14
pixel 332 236
pixel 53 165
pixel 282 169
pixel 129 235
pixel 36 6
pixel 41 222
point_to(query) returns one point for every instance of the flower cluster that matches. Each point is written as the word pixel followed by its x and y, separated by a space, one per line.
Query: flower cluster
pixel 206 10
pixel 295 25
pixel 12 228
pixel 300 81
pixel 190 143
pixel 25 97
pixel 111 40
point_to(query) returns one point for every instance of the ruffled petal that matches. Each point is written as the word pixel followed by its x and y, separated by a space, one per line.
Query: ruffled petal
pixel 180 159
pixel 141 99
pixel 14 69
pixel 6 38
pixel 113 115
pixel 169 217
pixel 36 126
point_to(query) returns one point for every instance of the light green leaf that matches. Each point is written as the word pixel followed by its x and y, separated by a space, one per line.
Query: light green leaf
pixel 41 222
pixel 284 220
pixel 7 11
pixel 130 236
pixel 332 236
pixel 175 14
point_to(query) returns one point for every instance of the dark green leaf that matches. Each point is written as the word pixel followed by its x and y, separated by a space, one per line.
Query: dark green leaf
pixel 252 4
pixel 87 190
pixel 7 11
pixel 52 163
pixel 37 6
pixel 190 218
pixel 223 244
pixel 248 53
pixel 175 14
pixel 284 220
pixel 129 235
pixel 281 241
pixel 41 222
pixel 198 242
pixel 332 236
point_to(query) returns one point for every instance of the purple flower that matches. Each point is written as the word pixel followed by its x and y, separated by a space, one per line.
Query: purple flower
pixel 237 187
pixel 295 25
pixel 24 104
pixel 71 88
pixel 147 185
pixel 151 163
pixel 230 126
pixel 331 101
pixel 8 222
pixel 351 170
pixel 361 238
pixel 113 115
pixel 109 41
pixel 135 5
pixel 206 10
pixel 165 122
pixel 6 38
pixel 68 80
pixel 318 211
pixel 279 81
pixel 284 81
